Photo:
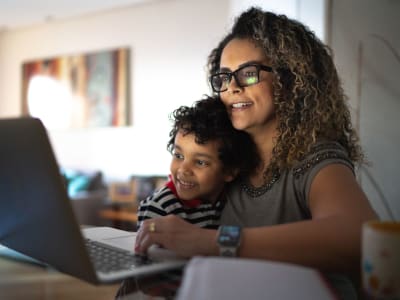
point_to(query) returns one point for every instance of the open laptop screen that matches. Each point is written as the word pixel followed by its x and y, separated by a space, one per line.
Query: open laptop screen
pixel 36 217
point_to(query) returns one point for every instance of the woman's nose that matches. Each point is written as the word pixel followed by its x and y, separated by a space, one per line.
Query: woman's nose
pixel 233 86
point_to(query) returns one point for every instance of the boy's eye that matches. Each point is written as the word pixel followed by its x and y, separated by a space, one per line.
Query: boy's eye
pixel 202 163
pixel 177 155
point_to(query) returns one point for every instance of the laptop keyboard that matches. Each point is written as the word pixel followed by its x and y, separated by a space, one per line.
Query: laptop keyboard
pixel 108 259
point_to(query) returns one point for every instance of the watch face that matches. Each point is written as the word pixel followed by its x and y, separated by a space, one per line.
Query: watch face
pixel 229 235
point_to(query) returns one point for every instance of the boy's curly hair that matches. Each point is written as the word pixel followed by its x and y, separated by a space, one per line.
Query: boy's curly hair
pixel 208 120
pixel 309 101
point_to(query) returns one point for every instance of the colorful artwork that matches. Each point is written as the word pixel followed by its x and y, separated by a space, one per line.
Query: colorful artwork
pixel 80 91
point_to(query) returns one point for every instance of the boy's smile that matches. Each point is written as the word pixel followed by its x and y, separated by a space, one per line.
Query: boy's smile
pixel 196 169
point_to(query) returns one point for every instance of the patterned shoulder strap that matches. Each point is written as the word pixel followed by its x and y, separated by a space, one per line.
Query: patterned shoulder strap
pixel 319 153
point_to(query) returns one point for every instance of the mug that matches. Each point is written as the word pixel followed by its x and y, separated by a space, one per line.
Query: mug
pixel 380 259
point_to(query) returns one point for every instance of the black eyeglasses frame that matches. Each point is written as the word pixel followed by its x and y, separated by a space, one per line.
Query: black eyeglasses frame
pixel 259 67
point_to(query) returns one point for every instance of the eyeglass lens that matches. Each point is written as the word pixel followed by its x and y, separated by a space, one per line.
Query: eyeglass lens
pixel 245 76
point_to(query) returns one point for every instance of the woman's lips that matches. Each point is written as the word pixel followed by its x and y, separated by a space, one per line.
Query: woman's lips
pixel 240 105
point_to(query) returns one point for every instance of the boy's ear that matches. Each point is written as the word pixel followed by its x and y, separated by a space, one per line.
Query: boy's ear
pixel 230 174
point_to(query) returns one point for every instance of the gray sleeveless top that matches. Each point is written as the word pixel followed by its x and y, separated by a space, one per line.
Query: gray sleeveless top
pixel 284 199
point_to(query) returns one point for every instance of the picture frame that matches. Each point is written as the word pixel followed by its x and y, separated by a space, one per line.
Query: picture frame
pixel 78 91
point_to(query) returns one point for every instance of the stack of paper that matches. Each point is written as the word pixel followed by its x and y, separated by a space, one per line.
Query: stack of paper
pixel 233 278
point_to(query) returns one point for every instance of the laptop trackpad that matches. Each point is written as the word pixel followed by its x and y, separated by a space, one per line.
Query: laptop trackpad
pixel 111 236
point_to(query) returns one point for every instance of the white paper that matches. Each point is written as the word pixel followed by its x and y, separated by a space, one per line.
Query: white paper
pixel 244 279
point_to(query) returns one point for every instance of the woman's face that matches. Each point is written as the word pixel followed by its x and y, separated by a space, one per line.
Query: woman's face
pixel 250 108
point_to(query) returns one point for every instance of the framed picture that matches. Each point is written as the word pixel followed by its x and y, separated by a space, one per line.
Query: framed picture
pixel 78 91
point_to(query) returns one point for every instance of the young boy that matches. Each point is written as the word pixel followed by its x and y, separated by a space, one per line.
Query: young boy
pixel 207 153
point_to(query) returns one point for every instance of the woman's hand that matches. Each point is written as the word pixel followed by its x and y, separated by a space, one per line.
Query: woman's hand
pixel 173 233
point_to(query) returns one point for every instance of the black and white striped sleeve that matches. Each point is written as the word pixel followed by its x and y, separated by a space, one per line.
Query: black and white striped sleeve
pixel 161 203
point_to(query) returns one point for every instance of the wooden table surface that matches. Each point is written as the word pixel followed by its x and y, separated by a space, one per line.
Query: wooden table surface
pixel 20 280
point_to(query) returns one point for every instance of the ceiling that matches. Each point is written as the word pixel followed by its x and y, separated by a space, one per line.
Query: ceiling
pixel 21 13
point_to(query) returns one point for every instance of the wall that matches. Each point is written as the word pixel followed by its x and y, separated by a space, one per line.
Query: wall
pixel 169 42
pixel 366 44
pixel 309 12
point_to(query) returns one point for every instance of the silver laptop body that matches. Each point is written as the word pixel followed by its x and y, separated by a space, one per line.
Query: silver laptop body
pixel 36 216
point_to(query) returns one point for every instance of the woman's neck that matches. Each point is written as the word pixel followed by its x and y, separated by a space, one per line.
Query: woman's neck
pixel 264 140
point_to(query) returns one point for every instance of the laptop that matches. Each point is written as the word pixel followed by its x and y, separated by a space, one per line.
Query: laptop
pixel 37 218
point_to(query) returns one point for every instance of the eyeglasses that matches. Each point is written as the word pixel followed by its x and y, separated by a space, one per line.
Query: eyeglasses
pixel 244 76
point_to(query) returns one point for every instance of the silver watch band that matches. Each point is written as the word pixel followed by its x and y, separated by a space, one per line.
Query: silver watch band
pixel 228 251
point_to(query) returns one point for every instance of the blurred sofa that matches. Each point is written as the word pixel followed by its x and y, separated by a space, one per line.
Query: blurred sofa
pixel 88 194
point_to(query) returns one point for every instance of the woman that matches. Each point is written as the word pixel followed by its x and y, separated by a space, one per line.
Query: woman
pixel 303 205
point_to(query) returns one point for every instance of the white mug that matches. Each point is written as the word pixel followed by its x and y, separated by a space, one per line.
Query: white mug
pixel 380 262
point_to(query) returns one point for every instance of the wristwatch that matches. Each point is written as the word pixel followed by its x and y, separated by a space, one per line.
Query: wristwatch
pixel 229 240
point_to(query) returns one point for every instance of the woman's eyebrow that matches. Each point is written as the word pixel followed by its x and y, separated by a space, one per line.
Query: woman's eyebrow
pixel 221 70
pixel 250 62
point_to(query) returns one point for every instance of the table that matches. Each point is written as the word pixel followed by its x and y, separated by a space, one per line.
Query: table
pixel 122 215
pixel 22 280
pixel 205 278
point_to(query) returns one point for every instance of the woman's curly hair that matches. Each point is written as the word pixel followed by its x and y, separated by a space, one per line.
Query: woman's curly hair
pixel 208 120
pixel 309 101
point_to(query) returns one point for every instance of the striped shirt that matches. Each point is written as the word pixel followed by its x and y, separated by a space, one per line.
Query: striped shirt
pixel 165 202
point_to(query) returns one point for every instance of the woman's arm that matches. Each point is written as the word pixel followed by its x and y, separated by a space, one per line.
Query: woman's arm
pixel 330 241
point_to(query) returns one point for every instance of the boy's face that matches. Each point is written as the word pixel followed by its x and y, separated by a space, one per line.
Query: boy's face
pixel 196 169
